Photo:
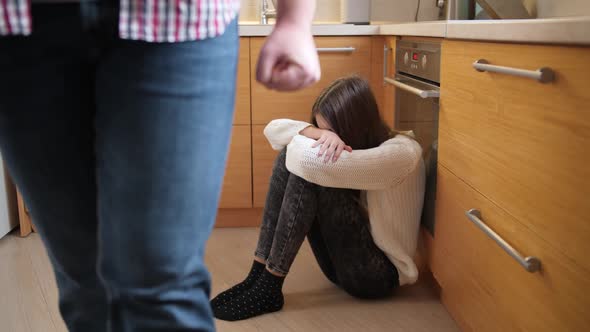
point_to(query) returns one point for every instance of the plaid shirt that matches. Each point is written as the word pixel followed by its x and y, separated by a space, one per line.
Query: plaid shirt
pixel 148 20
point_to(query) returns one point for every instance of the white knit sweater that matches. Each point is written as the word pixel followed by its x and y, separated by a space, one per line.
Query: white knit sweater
pixel 392 175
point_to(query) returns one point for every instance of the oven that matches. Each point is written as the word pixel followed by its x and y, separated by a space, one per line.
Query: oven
pixel 417 90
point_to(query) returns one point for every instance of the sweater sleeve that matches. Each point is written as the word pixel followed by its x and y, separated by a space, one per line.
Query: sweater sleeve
pixel 372 169
pixel 280 132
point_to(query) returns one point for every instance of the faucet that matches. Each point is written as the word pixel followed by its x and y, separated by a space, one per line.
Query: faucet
pixel 266 12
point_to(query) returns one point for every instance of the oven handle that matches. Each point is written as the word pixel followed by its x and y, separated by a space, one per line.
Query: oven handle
pixel 424 94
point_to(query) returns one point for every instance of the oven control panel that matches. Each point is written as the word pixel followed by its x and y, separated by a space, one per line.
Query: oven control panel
pixel 421 59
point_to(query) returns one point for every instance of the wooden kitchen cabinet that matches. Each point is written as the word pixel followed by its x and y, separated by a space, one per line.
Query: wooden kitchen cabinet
pixel 383 64
pixel 521 143
pixel 485 288
pixel 242 112
pixel 24 217
pixel 515 149
pixel 269 105
pixel 262 164
pixel 237 183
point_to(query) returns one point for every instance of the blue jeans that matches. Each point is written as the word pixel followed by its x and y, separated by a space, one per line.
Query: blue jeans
pixel 119 148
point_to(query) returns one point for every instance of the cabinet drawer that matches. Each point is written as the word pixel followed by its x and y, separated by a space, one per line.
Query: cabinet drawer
pixel 237 183
pixel 268 105
pixel 521 143
pixel 487 290
pixel 242 113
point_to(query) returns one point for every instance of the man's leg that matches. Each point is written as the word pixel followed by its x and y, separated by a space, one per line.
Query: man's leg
pixel 164 115
pixel 46 137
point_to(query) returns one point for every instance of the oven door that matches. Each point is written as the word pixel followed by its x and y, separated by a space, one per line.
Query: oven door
pixel 416 109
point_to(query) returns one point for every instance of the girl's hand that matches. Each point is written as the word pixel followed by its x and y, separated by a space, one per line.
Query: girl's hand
pixel 332 146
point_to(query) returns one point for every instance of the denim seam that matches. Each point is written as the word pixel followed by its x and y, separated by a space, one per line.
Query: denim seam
pixel 263 246
pixel 275 268
pixel 258 254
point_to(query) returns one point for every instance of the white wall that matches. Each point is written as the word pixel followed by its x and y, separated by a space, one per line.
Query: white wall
pixel 329 10
pixel 326 10
pixel 561 8
pixel 8 207
pixel 557 8
pixel 403 10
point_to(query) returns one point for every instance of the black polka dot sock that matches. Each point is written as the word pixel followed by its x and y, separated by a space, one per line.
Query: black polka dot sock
pixel 224 297
pixel 263 297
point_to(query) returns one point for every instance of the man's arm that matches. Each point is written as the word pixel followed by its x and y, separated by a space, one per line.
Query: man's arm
pixel 289 60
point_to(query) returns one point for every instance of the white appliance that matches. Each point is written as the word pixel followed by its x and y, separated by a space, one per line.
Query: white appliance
pixel 8 205
pixel 355 11
pixel 400 11
pixel 561 8
pixel 417 91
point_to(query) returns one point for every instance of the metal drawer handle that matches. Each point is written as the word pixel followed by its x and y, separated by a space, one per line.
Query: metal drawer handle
pixel 531 264
pixel 543 75
pixel 385 60
pixel 336 49
pixel 406 87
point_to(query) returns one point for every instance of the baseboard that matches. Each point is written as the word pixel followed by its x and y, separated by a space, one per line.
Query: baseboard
pixel 251 217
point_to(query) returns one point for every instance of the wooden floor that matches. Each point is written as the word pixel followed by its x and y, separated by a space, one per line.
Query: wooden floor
pixel 28 295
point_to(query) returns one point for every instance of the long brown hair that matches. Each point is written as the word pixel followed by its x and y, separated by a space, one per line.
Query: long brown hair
pixel 350 108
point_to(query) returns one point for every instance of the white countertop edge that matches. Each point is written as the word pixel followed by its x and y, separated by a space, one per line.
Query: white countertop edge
pixel 571 30
pixel 422 29
pixel 254 30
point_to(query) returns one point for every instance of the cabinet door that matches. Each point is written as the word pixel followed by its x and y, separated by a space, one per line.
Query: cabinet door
pixel 237 184
pixel 521 143
pixel 242 115
pixel 269 105
pixel 483 287
pixel 263 157
pixel 383 64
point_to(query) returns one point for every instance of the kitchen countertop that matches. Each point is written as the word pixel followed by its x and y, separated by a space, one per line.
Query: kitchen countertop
pixel 571 30
pixel 253 30
pixel 423 29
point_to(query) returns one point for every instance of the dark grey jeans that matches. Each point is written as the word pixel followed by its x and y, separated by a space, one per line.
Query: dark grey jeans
pixel 337 228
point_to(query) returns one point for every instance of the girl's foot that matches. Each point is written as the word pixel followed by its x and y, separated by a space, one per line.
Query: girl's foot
pixel 224 297
pixel 263 297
